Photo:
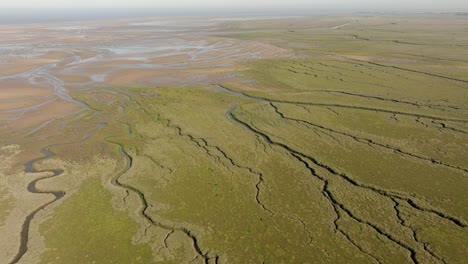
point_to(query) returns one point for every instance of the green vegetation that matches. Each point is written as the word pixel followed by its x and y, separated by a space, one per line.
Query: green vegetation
pixel 354 151
pixel 86 229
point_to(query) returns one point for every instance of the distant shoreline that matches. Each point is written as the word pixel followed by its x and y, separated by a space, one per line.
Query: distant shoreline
pixel 20 16
pixel 33 16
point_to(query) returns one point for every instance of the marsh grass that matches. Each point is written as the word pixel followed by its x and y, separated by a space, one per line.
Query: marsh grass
pixel 346 160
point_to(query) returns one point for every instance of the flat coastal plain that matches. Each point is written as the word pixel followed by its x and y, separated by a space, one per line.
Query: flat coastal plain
pixel 321 139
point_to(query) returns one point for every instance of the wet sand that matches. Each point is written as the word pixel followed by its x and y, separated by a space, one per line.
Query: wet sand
pixel 42 64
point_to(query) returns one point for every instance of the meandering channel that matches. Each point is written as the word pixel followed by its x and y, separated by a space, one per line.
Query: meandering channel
pixel 29 168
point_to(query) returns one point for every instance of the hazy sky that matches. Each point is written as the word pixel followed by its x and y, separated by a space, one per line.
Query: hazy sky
pixel 360 4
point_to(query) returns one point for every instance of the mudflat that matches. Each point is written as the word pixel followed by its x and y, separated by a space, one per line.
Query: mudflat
pixel 331 139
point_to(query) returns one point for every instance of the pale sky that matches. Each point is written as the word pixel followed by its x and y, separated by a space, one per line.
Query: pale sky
pixel 341 4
